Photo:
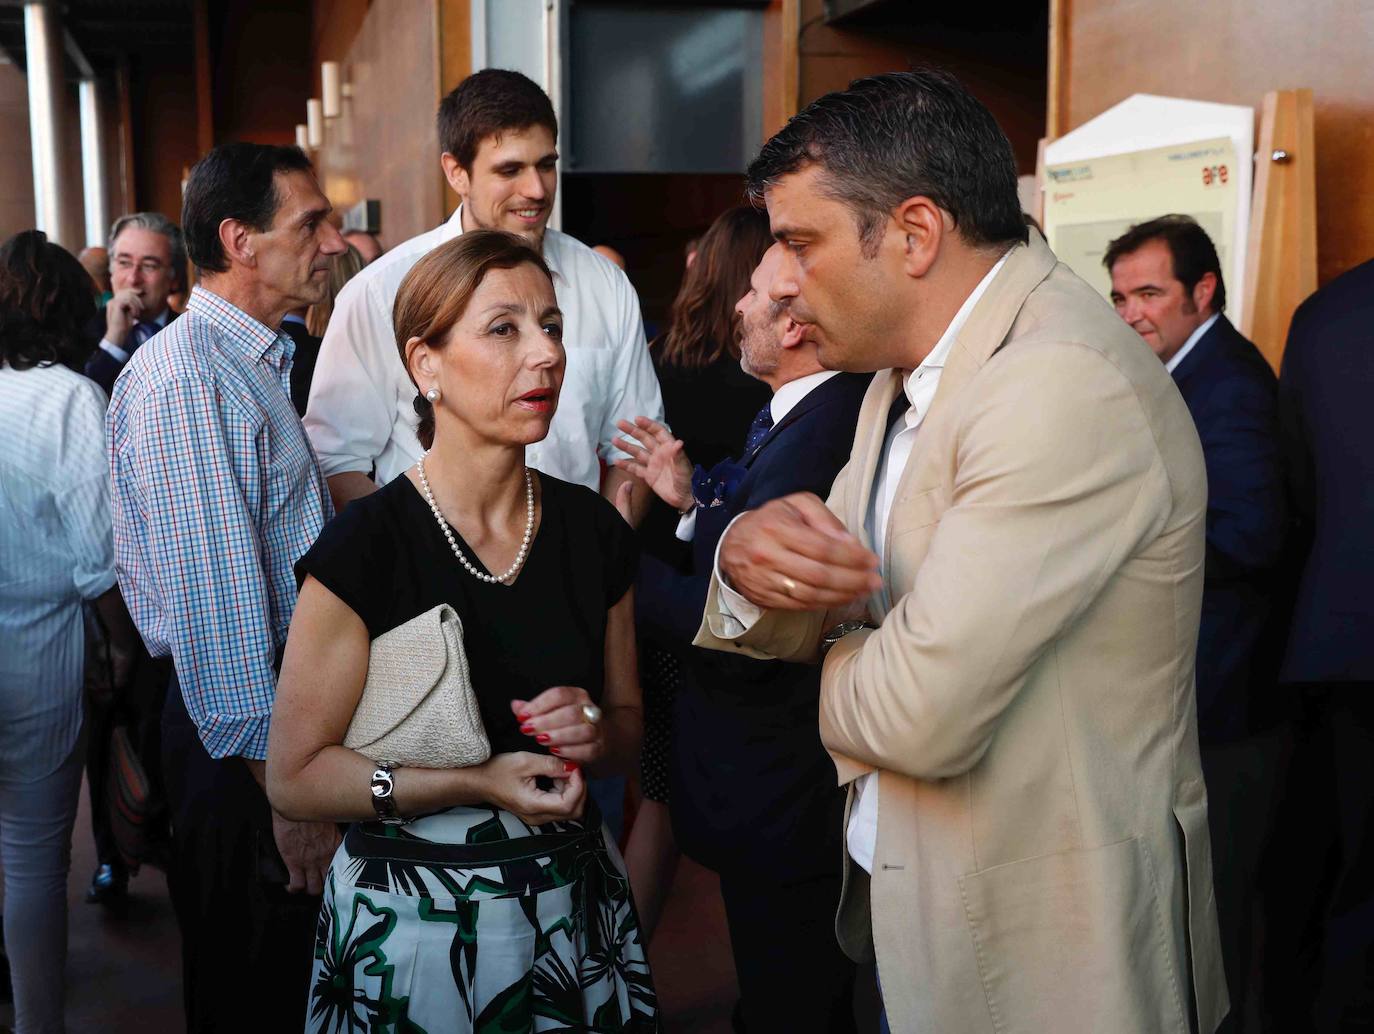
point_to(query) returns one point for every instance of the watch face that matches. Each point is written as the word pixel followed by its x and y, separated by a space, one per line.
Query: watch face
pixel 381 784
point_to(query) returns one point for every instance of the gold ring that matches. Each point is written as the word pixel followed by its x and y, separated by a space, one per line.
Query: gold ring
pixel 789 586
pixel 591 714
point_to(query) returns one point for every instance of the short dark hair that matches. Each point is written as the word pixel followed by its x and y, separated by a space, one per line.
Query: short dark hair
pixel 899 135
pixel 1193 251
pixel 489 103
pixel 45 304
pixel 234 181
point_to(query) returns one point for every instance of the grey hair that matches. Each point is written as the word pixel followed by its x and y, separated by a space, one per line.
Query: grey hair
pixel 156 222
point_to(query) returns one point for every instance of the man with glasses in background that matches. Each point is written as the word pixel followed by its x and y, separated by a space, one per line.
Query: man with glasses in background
pixel 147 263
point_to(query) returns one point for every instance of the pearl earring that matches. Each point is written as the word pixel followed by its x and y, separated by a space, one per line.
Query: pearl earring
pixel 432 394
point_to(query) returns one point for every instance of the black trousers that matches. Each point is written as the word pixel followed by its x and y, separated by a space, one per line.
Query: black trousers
pixel 1242 782
pixel 141 707
pixel 247 946
pixel 1320 884
pixel 793 977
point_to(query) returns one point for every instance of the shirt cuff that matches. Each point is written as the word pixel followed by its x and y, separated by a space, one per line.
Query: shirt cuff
pixel 734 607
pixel 687 526
pixel 114 350
pixel 232 735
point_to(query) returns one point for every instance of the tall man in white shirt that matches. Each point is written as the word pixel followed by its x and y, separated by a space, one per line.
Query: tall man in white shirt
pixel 1003 589
pixel 499 133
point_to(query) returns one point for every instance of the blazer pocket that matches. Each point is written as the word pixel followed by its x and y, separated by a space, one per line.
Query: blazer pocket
pixel 1076 943
pixel 916 511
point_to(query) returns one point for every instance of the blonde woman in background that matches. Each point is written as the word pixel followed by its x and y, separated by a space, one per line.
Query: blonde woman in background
pixel 343 269
pixel 306 326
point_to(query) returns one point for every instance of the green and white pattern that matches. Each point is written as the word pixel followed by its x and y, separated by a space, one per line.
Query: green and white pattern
pixel 470 920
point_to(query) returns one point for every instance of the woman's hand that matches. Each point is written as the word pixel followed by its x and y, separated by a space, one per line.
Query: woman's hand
pixel 512 782
pixel 555 719
pixel 658 461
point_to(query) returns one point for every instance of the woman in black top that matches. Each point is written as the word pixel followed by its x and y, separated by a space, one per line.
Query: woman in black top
pixel 501 902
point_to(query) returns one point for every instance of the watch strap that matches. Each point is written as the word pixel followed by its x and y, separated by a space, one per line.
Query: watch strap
pixel 383 799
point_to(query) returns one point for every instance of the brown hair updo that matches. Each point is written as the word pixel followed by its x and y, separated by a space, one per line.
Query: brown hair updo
pixel 435 293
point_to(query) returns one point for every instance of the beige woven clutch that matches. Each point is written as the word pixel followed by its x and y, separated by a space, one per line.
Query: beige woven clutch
pixel 418 706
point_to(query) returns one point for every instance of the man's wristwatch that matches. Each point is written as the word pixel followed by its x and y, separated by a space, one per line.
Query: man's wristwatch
pixel 382 800
pixel 840 631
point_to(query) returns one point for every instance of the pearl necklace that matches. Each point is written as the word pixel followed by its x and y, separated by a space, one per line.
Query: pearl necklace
pixel 453 544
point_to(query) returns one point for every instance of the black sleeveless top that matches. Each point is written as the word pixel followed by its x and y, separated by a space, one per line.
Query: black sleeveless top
pixel 386 558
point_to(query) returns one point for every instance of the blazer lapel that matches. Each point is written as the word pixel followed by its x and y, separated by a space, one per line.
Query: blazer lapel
pixel 982 335
pixel 868 448
pixel 805 404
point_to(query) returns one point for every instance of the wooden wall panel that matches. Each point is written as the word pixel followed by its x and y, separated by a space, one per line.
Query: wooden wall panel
pixel 162 93
pixel 1002 60
pixel 261 74
pixel 384 144
pixel 1235 51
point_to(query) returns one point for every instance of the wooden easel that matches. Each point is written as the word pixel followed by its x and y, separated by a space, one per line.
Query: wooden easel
pixel 1281 255
pixel 1281 258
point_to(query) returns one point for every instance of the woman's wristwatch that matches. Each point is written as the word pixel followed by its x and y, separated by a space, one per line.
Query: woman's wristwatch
pixel 382 800
pixel 840 631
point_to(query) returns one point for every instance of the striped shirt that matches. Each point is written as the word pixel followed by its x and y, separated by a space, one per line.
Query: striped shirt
pixel 216 494
pixel 55 551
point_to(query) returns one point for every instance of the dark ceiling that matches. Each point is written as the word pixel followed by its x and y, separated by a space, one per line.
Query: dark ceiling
pixel 105 29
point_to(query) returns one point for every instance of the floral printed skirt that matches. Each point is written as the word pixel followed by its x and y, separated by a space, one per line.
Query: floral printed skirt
pixel 470 920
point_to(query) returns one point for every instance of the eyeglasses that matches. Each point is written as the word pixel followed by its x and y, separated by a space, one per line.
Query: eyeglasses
pixel 148 267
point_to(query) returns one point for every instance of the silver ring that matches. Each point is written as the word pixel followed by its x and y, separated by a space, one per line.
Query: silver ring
pixel 789 586
pixel 591 714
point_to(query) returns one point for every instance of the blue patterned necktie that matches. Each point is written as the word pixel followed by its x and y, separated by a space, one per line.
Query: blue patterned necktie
pixel 758 430
pixel 142 332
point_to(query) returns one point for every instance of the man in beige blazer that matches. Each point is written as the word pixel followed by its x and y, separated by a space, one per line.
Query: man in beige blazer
pixel 1021 526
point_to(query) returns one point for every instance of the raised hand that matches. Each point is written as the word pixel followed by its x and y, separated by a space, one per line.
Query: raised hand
pixel 122 311
pixel 794 554
pixel 657 459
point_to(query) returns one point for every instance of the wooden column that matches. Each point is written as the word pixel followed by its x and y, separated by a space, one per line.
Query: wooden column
pixel 781 69
pixel 453 31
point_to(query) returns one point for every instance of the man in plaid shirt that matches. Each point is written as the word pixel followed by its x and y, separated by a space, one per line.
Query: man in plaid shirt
pixel 216 494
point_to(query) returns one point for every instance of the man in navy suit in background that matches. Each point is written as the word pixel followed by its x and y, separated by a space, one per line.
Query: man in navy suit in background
pixel 1167 284
pixel 147 263
pixel 754 794
pixel 1326 413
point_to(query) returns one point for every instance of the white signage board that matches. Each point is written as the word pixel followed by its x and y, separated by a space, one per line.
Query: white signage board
pixel 1151 156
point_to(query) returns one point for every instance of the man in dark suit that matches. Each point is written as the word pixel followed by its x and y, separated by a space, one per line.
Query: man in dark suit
pixel 147 263
pixel 1326 413
pixel 754 795
pixel 303 359
pixel 1167 284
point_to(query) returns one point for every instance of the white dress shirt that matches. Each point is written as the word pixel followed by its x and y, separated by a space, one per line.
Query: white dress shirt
pixel 784 400
pixel 861 836
pixel 56 549
pixel 361 412
pixel 1193 339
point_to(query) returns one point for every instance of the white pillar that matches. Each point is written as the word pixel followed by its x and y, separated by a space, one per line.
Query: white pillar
pixel 43 53
pixel 94 172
